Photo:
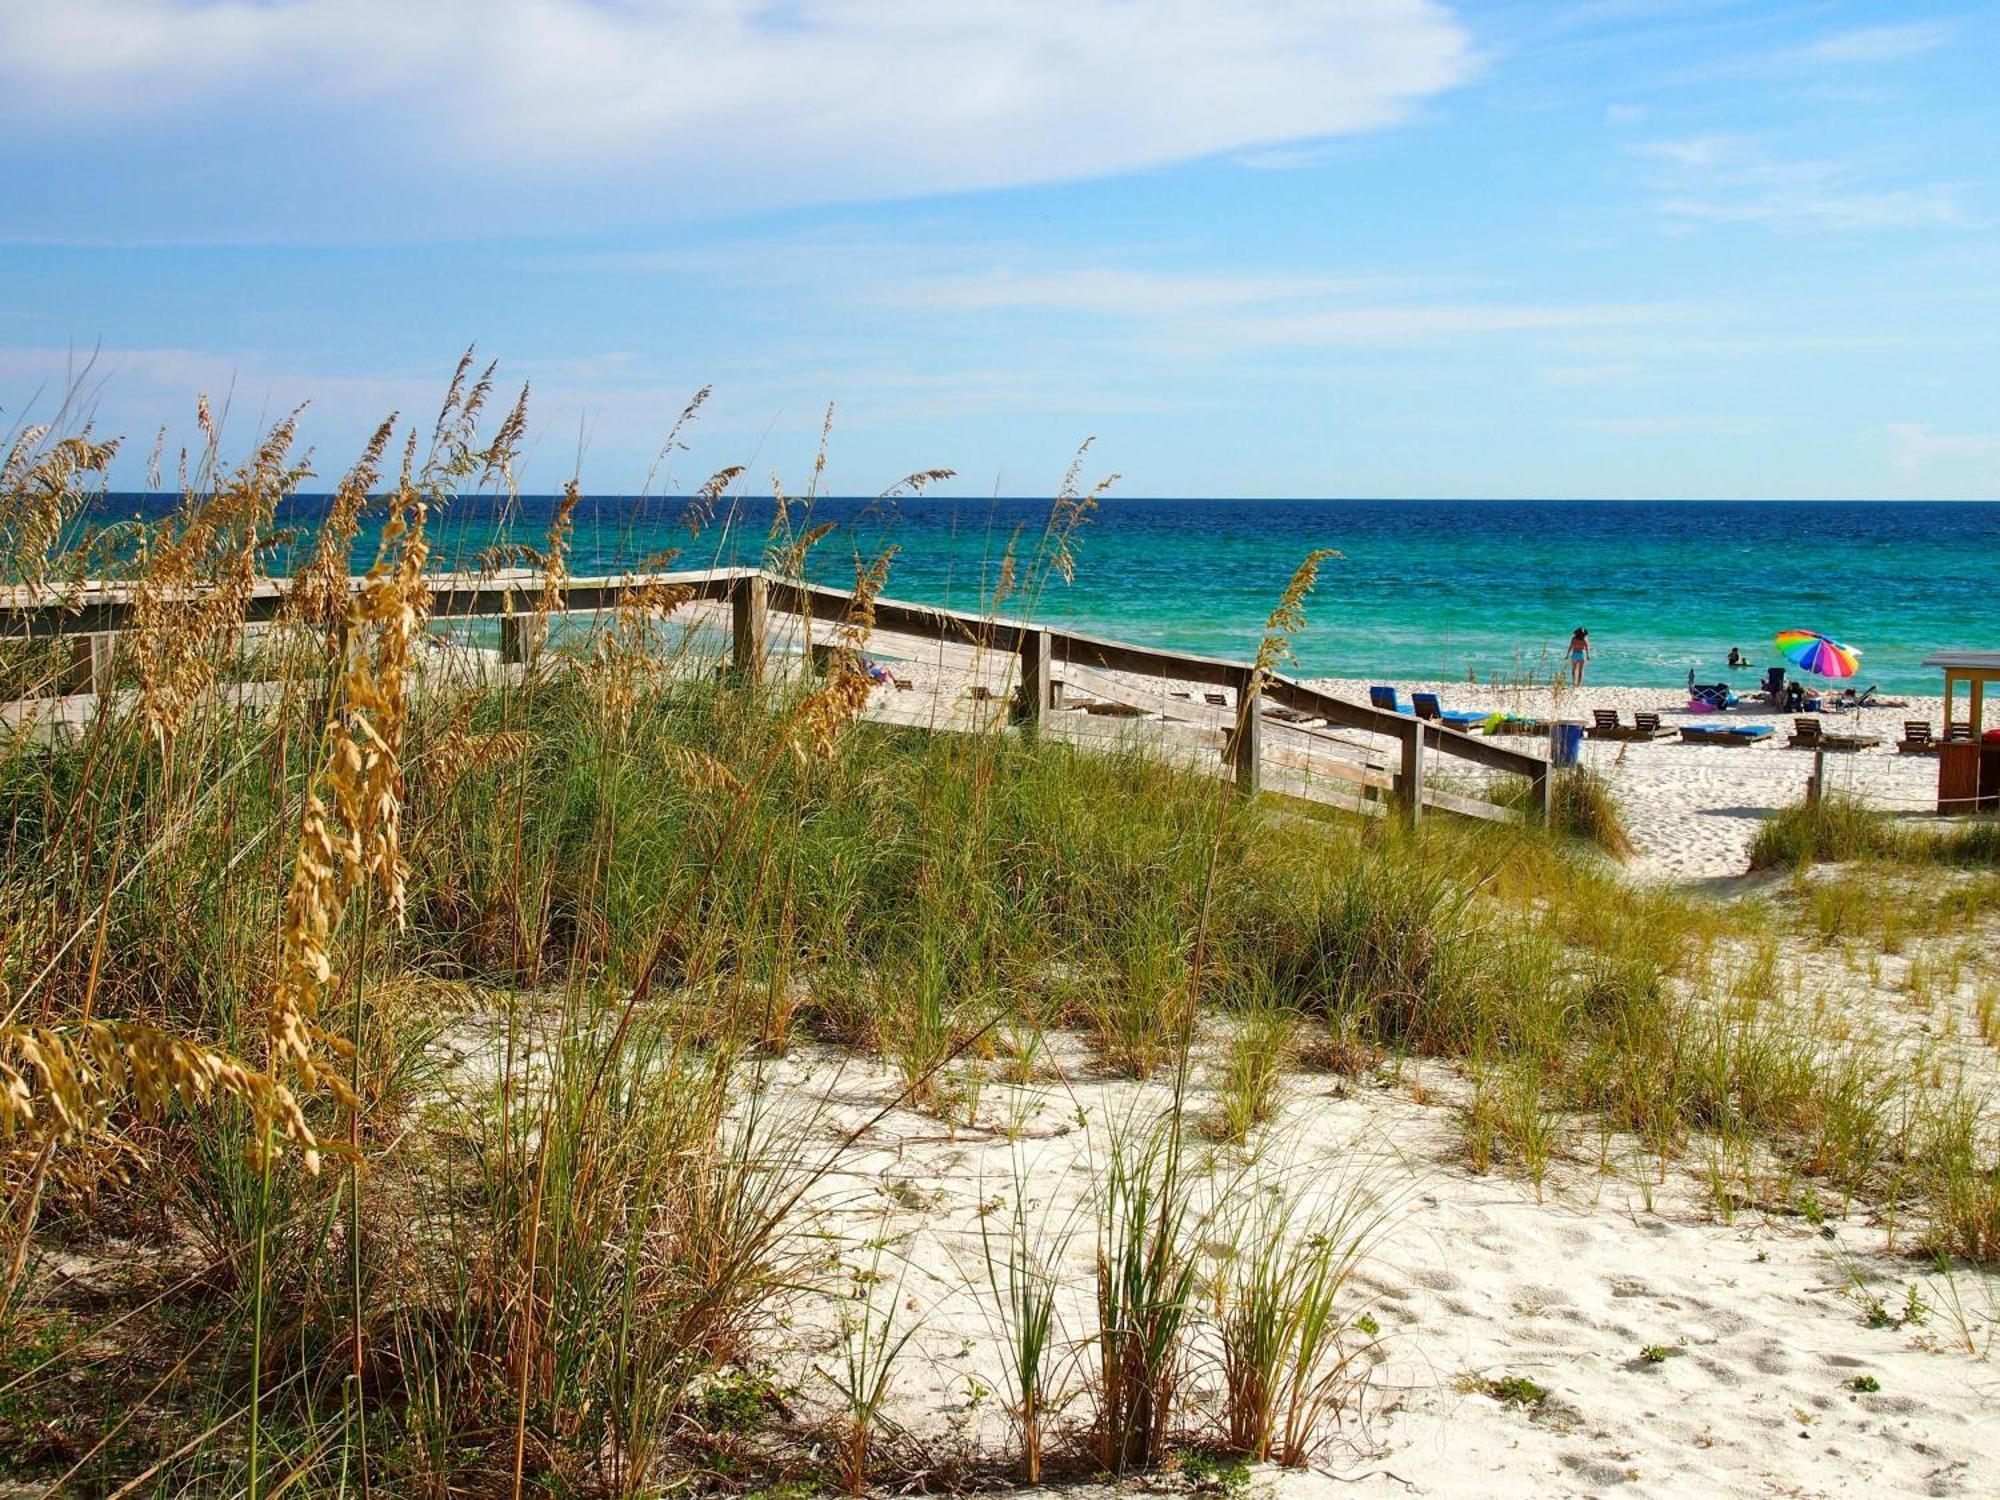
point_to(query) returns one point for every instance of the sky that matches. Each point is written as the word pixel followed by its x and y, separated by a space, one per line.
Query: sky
pixel 1385 248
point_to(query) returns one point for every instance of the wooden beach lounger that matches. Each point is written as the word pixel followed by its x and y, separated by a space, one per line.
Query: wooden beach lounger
pixel 1917 739
pixel 1427 707
pixel 1724 734
pixel 1809 735
pixel 1608 726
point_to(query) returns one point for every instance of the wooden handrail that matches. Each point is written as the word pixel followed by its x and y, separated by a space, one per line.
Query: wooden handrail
pixel 97 608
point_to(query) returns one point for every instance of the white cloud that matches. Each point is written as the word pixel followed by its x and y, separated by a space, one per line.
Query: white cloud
pixel 730 102
pixel 1725 180
pixel 1866 45
pixel 1928 464
pixel 1914 447
pixel 1202 314
pixel 1106 298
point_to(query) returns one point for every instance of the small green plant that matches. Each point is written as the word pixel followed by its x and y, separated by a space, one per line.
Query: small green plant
pixel 735 1401
pixel 1657 1354
pixel 1915 1309
pixel 1023 1261
pixel 1515 1390
pixel 1367 1324
pixel 1878 1314
pixel 870 1345
pixel 1252 1073
pixel 1283 1276
pixel 1208 1473
pixel 1866 1384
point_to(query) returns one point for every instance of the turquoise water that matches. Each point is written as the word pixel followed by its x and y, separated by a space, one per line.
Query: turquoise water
pixel 1424 589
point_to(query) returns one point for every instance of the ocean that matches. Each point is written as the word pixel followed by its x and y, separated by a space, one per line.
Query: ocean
pixel 1423 588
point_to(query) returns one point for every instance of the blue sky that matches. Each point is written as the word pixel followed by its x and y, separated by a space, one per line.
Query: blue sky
pixel 1272 247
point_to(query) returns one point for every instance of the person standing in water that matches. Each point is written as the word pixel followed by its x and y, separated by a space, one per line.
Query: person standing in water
pixel 1579 654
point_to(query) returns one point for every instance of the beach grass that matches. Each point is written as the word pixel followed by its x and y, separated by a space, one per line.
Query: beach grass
pixel 1839 829
pixel 399 1036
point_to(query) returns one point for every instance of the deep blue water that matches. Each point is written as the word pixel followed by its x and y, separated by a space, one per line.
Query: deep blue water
pixel 1424 588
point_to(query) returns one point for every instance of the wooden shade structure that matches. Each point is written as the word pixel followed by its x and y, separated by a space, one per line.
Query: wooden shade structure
pixel 1968 772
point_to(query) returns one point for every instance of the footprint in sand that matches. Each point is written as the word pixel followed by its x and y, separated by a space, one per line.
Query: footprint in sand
pixel 1771 1359
pixel 1598 1471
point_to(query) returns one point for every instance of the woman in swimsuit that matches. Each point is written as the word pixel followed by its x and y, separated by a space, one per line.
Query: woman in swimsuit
pixel 1579 653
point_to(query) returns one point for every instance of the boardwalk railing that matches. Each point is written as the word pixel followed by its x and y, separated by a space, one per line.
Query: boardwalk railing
pixel 92 616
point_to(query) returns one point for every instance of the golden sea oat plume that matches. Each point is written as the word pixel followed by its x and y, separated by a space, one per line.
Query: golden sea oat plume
pixel 350 830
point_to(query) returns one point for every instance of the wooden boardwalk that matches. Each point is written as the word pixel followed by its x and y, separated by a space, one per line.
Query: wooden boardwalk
pixel 1270 733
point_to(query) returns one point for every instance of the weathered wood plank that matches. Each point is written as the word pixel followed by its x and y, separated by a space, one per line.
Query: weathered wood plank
pixel 1470 807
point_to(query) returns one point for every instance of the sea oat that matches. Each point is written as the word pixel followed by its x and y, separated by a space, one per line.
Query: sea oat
pixel 319 593
pixel 40 495
pixel 355 838
pixel 843 695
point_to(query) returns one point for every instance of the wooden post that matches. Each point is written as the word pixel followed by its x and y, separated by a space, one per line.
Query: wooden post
pixel 1247 744
pixel 520 637
pixel 89 666
pixel 1031 702
pixel 1541 786
pixel 1410 783
pixel 749 615
pixel 1816 786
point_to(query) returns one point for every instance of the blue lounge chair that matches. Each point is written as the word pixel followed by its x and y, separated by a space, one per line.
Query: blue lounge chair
pixel 1426 705
pixel 1385 698
pixel 1724 734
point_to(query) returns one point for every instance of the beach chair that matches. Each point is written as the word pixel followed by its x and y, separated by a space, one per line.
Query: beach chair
pixel 1960 730
pixel 1917 739
pixel 1725 734
pixel 1428 708
pixel 1607 725
pixel 1385 698
pixel 1809 735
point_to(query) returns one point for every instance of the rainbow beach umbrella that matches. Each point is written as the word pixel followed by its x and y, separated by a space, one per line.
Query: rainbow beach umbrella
pixel 1812 652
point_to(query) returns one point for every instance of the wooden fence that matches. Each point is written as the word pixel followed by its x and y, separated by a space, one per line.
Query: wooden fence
pixel 93 615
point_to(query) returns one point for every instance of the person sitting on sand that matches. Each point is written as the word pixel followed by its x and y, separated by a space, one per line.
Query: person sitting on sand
pixel 1579 653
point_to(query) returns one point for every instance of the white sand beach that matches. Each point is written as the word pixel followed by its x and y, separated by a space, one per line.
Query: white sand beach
pixel 1693 810
pixel 1758 1325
